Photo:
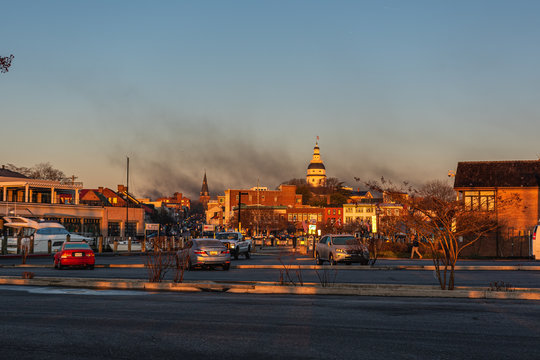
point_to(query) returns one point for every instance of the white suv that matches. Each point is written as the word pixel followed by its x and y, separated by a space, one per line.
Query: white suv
pixel 341 248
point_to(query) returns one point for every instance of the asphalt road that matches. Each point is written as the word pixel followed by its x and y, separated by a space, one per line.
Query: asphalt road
pixel 341 274
pixel 52 323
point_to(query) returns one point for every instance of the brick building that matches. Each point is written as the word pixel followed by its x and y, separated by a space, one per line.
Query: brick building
pixel 493 186
pixel 284 196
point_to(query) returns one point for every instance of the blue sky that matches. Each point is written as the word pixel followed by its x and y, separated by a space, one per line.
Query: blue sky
pixel 241 89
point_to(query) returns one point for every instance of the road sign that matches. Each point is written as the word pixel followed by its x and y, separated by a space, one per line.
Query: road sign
pixel 151 227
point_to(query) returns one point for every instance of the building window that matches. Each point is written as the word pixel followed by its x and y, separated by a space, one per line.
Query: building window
pixel 348 210
pixel 113 229
pixel 290 217
pixel 131 228
pixel 479 200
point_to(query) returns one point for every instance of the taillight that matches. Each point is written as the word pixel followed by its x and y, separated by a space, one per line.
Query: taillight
pixel 90 254
pixel 225 252
pixel 64 255
pixel 199 252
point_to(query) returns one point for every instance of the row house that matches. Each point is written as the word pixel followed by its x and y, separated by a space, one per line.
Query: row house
pixel 122 213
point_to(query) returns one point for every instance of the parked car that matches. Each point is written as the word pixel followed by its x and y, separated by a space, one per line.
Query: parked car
pixel 205 252
pixel 236 243
pixel 75 254
pixel 341 248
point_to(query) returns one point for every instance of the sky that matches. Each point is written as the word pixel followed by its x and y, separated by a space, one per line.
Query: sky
pixel 241 89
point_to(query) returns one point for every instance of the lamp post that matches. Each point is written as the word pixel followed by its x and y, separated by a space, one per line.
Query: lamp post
pixel 239 207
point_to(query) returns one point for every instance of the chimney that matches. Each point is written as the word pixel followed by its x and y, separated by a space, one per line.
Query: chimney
pixel 100 189
pixel 121 188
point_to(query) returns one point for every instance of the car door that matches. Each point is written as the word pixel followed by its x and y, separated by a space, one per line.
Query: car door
pixel 328 247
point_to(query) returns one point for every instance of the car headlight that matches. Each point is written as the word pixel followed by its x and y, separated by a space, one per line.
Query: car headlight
pixel 341 251
pixel 232 245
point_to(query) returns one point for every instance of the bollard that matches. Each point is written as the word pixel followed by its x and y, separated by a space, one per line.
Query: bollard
pixel 18 244
pixel 143 245
pixel 31 244
pixel 115 246
pixel 49 247
pixel 100 244
pixel 68 237
pixel 129 244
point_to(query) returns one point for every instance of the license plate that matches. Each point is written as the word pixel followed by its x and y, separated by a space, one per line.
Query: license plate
pixel 78 254
pixel 213 252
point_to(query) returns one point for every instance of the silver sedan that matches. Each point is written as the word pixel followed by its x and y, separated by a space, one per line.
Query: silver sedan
pixel 205 252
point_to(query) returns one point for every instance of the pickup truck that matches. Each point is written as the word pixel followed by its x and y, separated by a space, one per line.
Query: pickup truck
pixel 236 243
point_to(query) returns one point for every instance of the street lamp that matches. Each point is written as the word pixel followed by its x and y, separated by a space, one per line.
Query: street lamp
pixel 239 207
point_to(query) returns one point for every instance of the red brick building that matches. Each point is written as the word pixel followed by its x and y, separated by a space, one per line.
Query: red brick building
pixel 284 196
pixel 333 215
pixel 494 186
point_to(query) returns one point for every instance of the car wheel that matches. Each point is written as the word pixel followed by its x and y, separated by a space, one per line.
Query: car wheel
pixel 318 259
pixel 331 259
pixel 236 254
pixel 60 267
pixel 226 267
pixel 348 263
pixel 90 267
pixel 248 255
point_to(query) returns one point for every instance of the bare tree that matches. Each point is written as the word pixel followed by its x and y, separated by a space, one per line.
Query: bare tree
pixel 440 220
pixel 5 63
pixel 44 171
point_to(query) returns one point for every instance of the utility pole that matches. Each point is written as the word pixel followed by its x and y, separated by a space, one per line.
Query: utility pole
pixel 127 205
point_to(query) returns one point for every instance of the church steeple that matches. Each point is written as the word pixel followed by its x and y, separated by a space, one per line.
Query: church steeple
pixel 316 172
pixel 204 195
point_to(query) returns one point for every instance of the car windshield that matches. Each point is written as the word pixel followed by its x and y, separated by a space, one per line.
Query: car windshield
pixel 344 240
pixel 208 243
pixel 76 246
pixel 228 236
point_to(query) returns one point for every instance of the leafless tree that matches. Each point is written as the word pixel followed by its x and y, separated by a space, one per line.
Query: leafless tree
pixel 5 63
pixel 44 171
pixel 440 220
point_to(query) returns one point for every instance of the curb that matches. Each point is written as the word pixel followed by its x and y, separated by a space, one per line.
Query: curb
pixel 319 267
pixel 275 288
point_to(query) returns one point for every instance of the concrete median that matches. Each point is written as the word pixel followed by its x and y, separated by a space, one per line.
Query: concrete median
pixel 276 288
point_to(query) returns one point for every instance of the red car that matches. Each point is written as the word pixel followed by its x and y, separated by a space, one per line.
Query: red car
pixel 75 254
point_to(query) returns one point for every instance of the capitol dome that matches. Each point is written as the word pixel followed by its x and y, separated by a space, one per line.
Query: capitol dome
pixel 316 172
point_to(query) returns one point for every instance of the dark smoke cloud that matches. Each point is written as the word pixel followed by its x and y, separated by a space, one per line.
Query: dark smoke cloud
pixel 175 157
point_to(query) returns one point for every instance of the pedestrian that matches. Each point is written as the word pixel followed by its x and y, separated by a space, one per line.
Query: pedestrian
pixel 415 245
